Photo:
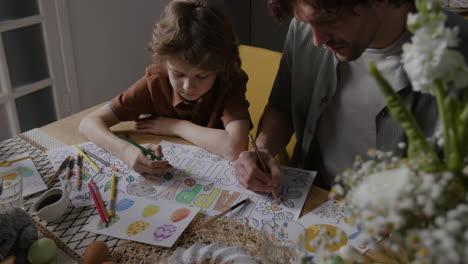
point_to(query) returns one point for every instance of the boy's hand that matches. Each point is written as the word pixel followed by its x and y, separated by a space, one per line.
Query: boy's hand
pixel 159 126
pixel 251 176
pixel 139 162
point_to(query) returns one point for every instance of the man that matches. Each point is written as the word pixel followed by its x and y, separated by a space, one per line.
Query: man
pixel 324 93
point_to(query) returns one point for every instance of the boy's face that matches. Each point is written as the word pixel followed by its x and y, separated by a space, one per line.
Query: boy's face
pixel 344 33
pixel 188 81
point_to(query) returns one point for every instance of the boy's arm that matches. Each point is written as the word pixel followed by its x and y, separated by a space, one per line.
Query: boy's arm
pixel 228 142
pixel 95 127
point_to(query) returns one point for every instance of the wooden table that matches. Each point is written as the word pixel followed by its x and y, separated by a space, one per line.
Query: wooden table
pixel 66 130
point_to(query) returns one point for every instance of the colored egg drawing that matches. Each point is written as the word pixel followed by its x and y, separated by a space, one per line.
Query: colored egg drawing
pixel 150 210
pixel 25 171
pixel 163 232
pixel 208 187
pixel 124 204
pixel 136 228
pixel 114 219
pixel 180 214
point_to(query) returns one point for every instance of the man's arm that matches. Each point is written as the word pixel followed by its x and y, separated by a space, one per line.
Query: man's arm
pixel 274 132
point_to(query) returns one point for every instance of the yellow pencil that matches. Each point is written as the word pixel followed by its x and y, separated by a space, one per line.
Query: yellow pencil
pixel 87 158
pixel 112 195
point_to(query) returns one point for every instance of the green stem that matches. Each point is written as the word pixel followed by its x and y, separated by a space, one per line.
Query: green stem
pixel 451 153
pixel 418 147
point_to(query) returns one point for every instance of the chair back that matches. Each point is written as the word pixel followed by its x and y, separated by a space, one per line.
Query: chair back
pixel 261 65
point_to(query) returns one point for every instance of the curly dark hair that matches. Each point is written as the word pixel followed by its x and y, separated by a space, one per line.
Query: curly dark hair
pixel 282 9
pixel 198 33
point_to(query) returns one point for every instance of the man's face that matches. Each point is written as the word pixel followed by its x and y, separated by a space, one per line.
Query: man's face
pixel 345 33
pixel 189 81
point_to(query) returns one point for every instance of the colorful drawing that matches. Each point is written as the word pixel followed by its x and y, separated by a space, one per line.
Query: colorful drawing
pixel 136 228
pixel 333 217
pixel 198 178
pixel 190 182
pixel 156 228
pixel 314 230
pixel 168 176
pixel 150 210
pixel 32 180
pixel 208 187
pixel 124 204
pixel 268 207
pixel 163 232
pixel 180 214
pixel 114 219
pixel 140 189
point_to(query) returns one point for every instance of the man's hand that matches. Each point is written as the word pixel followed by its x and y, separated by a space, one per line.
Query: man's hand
pixel 139 162
pixel 159 126
pixel 251 176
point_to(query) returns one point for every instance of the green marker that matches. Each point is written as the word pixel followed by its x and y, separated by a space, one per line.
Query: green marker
pixel 146 151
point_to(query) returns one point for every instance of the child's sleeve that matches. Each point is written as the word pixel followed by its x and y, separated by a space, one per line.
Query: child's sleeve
pixel 135 101
pixel 236 105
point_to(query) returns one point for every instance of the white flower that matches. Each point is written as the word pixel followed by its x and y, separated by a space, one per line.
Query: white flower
pixel 428 57
pixel 381 189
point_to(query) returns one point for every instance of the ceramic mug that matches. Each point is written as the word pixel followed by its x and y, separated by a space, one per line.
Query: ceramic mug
pixel 52 204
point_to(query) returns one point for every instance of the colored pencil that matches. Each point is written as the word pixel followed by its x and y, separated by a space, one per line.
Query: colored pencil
pixel 262 165
pixel 99 199
pixel 69 169
pixel 112 195
pixel 87 158
pixel 214 218
pixel 146 151
pixel 7 163
pixel 79 161
pixel 96 203
pixel 59 170
pixel 89 153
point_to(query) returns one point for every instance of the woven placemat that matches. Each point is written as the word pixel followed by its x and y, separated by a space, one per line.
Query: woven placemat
pixel 229 232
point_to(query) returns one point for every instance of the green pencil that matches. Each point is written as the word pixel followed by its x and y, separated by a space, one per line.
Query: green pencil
pixel 154 156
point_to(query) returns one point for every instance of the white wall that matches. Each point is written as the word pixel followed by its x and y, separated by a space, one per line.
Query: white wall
pixel 109 41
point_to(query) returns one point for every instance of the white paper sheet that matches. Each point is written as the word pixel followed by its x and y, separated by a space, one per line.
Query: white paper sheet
pixel 32 180
pixel 157 223
pixel 198 178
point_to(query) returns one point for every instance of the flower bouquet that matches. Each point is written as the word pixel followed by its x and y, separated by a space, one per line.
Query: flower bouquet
pixel 418 203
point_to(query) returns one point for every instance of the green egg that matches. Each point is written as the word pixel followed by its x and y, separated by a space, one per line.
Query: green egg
pixel 42 251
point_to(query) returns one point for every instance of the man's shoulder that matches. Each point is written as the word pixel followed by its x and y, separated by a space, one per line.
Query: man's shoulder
pixel 455 20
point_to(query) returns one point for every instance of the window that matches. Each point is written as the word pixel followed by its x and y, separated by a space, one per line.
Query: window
pixel 33 88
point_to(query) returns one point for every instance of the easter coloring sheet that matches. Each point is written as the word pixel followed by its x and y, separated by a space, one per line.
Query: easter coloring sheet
pixel 157 223
pixel 336 219
pixel 197 178
pixel 25 168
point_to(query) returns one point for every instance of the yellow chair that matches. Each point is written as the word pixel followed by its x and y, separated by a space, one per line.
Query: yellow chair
pixel 261 66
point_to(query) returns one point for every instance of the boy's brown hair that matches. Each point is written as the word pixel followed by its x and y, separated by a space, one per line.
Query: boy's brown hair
pixel 198 33
pixel 282 9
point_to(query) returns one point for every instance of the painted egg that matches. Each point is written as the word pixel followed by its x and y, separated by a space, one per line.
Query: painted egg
pixel 190 182
pixel 114 219
pixel 96 252
pixel 163 232
pixel 124 204
pixel 42 251
pixel 136 228
pixel 180 214
pixel 150 210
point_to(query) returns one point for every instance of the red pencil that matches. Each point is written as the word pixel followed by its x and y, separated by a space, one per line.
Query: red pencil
pixel 96 203
pixel 99 199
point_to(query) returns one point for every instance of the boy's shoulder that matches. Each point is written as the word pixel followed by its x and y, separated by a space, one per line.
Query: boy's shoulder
pixel 155 71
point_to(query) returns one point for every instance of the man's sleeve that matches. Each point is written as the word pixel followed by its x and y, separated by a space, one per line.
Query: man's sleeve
pixel 280 96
